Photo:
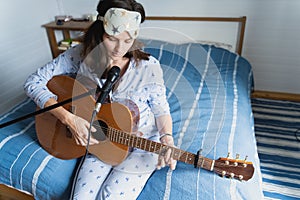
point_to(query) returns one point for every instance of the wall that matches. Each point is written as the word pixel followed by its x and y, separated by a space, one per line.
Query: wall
pixel 271 40
pixel 23 42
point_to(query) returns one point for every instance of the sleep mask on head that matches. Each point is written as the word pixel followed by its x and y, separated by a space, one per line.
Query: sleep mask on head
pixel 118 20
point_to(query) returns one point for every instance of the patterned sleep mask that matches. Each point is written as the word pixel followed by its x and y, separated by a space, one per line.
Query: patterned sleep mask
pixel 118 20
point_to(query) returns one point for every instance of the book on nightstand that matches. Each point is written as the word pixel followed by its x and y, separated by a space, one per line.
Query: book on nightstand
pixel 67 43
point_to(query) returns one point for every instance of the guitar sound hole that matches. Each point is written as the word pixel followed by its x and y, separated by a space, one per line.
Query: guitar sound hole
pixel 101 132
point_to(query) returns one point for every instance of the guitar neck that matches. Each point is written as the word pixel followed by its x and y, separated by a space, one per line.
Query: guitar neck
pixel 151 146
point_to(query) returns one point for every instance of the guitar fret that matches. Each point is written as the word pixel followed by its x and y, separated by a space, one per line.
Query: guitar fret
pixel 152 146
pixel 127 140
pixel 188 158
pixel 152 149
pixel 109 135
pixel 157 148
pixel 208 164
pixel 161 147
pixel 123 137
pixel 132 142
pixel 134 138
pixel 177 153
pixel 145 144
pixel 113 135
pixel 118 136
pixel 141 143
pixel 202 161
pixel 137 142
pixel 148 145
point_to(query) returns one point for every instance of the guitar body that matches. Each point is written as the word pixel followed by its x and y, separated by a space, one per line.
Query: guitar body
pixel 56 138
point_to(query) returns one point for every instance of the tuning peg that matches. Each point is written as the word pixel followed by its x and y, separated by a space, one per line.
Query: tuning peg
pixel 228 155
pixel 223 173
pixel 241 177
pixel 231 175
pixel 200 151
pixel 226 161
pixel 245 164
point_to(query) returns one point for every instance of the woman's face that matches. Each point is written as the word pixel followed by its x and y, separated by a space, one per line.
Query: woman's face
pixel 117 46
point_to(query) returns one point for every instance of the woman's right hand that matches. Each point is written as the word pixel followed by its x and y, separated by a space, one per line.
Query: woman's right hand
pixel 79 128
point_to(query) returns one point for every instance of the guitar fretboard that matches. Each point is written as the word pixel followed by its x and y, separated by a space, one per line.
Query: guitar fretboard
pixel 127 139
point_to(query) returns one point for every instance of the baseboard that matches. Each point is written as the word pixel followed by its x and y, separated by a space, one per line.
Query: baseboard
pixel 275 95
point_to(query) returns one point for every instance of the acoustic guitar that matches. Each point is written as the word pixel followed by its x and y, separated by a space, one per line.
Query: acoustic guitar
pixel 115 124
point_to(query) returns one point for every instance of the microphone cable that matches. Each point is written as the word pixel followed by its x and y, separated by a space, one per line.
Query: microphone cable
pixel 112 76
pixel 84 156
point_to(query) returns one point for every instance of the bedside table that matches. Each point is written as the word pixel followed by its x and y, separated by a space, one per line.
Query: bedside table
pixel 66 28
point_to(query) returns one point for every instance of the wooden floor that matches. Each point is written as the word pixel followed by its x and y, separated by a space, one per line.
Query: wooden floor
pixel 275 95
pixel 7 193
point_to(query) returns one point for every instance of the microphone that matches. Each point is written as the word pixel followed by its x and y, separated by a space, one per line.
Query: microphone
pixel 112 76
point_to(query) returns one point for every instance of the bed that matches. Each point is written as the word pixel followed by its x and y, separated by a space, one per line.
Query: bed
pixel 208 88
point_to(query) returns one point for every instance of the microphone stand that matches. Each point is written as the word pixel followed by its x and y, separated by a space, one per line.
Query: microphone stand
pixel 90 92
pixel 113 75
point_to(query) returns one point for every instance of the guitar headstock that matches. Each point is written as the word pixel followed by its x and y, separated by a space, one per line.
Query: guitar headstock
pixel 234 168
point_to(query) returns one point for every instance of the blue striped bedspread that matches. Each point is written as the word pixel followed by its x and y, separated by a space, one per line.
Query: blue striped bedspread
pixel 208 89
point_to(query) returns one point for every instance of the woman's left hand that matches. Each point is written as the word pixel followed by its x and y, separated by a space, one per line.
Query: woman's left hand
pixel 165 158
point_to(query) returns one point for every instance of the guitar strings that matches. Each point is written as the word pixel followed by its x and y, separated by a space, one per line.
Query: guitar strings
pixel 133 137
pixel 114 130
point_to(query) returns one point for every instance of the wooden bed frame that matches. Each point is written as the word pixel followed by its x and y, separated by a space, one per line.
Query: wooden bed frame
pixel 9 193
pixel 240 20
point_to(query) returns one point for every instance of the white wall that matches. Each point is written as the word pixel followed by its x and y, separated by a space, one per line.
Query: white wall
pixel 271 41
pixel 23 42
pixel 272 36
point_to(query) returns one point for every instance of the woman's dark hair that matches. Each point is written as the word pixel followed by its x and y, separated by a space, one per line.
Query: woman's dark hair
pixel 94 35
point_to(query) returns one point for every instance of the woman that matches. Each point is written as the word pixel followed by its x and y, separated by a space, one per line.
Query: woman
pixel 111 41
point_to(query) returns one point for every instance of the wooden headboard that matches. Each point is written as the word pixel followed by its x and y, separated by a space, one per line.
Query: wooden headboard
pixel 240 20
